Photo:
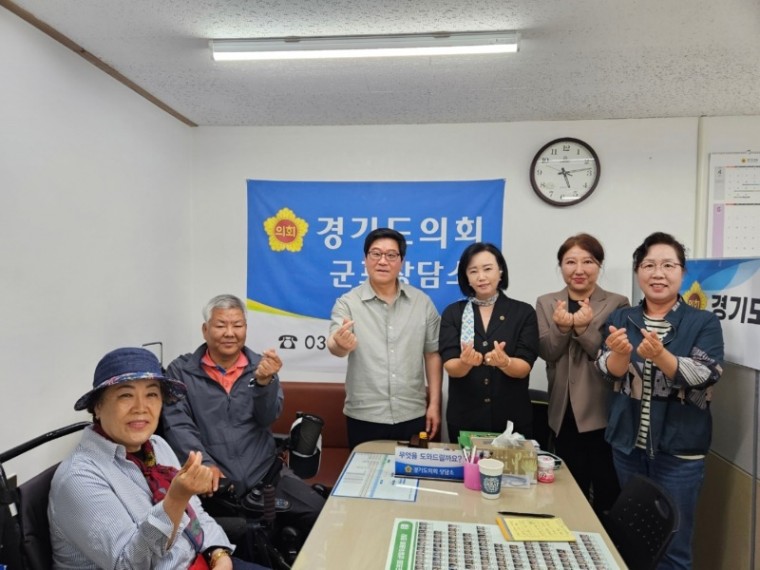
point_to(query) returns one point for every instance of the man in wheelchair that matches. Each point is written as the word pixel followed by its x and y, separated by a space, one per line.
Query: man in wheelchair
pixel 233 397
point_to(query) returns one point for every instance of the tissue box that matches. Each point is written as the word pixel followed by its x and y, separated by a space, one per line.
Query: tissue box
pixel 437 461
pixel 520 462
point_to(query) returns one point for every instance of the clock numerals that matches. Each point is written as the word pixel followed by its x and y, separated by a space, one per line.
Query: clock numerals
pixel 564 172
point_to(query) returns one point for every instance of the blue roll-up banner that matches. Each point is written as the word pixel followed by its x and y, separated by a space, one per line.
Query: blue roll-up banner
pixel 730 288
pixel 305 249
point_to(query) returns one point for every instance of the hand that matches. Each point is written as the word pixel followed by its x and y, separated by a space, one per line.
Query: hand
pixel 216 474
pixel 497 357
pixel 562 318
pixel 469 355
pixel 193 478
pixel 269 365
pixel 432 421
pixel 344 337
pixel 582 317
pixel 651 347
pixel 618 341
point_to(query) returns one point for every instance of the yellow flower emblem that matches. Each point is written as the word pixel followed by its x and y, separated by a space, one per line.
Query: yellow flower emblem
pixel 286 231
pixel 695 296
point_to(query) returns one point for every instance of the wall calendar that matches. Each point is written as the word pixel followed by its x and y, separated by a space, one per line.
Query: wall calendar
pixel 733 224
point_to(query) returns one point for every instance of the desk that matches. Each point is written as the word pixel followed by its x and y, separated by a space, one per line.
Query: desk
pixel 354 534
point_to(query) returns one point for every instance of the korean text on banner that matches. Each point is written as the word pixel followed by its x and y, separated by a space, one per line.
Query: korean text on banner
pixel 305 249
pixel 730 288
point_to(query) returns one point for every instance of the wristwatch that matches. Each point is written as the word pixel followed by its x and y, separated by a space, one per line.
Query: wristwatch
pixel 214 553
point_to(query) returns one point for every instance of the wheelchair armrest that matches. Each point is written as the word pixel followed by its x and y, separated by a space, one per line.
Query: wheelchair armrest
pixel 281 441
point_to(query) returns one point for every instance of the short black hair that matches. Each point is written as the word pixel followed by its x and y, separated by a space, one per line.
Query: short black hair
pixel 464 261
pixel 658 238
pixel 382 233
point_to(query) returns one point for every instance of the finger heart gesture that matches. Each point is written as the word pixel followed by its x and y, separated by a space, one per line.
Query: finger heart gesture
pixel 497 357
pixel 470 356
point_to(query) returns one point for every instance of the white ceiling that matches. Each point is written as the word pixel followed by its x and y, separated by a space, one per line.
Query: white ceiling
pixel 578 59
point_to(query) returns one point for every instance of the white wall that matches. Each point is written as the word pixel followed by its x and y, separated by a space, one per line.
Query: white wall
pixel 95 241
pixel 643 163
pixel 735 402
pixel 647 183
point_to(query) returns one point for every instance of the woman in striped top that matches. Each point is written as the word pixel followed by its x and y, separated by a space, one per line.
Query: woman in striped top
pixel 663 357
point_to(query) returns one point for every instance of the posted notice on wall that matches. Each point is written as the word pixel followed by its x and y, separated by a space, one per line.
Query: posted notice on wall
pixel 733 225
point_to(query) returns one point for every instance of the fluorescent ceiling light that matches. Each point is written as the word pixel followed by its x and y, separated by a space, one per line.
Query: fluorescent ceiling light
pixel 365 46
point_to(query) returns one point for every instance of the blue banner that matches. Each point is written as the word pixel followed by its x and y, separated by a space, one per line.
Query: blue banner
pixel 305 239
pixel 730 288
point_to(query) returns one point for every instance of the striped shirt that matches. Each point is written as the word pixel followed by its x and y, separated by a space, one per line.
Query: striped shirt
pixel 661 327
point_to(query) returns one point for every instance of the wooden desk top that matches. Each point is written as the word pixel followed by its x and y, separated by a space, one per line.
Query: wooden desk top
pixel 355 533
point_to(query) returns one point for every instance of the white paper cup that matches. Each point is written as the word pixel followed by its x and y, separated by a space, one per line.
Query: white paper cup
pixel 490 477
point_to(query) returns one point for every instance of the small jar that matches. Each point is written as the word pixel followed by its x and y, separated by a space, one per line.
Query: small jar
pixel 545 469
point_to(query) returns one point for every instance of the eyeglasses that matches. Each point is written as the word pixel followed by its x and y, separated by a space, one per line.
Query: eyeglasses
pixel 665 266
pixel 377 255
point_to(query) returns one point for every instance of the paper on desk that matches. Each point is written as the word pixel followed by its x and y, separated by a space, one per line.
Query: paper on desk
pixel 432 544
pixel 522 529
pixel 370 476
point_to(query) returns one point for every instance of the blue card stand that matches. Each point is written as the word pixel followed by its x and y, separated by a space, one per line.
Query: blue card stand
pixel 438 461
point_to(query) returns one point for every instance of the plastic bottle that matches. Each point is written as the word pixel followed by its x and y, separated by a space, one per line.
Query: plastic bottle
pixel 545 469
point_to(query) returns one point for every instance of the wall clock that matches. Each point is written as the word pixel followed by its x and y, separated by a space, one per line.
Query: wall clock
pixel 564 172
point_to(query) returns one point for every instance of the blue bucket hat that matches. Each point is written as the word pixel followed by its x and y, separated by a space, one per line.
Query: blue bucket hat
pixel 126 364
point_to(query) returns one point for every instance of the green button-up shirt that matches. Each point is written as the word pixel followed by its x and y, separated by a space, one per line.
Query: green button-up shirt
pixel 385 379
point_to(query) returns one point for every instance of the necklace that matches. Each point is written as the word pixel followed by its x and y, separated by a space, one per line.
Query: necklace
pixel 486 302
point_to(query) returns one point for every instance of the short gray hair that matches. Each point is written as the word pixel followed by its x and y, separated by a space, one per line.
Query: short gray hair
pixel 223 302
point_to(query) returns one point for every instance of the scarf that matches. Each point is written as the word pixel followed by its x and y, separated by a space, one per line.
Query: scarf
pixel 159 477
pixel 467 334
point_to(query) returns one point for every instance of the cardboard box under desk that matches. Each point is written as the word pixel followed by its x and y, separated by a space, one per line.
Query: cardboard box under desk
pixel 521 461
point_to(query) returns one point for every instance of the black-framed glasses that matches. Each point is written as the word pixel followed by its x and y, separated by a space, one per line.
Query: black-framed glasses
pixel 377 255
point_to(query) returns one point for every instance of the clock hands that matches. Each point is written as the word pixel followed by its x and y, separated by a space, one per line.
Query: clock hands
pixel 567 173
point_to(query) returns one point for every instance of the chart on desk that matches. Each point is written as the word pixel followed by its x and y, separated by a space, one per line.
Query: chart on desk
pixel 435 545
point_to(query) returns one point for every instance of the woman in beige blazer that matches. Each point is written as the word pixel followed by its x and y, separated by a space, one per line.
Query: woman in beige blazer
pixel 570 325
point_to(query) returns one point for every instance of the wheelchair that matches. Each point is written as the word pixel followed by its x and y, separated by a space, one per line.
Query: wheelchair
pixel 252 519
pixel 24 528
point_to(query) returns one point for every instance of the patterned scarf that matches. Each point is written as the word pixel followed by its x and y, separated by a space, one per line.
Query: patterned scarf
pixel 159 477
pixel 467 334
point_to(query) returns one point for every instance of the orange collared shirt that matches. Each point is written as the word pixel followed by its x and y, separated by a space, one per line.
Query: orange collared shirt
pixel 225 378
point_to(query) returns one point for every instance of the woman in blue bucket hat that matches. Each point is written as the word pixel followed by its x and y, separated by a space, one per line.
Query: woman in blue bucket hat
pixel 122 500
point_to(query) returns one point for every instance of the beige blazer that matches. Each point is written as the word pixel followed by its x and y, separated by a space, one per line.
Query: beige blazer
pixel 570 368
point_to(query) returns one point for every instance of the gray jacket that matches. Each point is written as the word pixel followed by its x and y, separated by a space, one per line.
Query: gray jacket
pixel 232 431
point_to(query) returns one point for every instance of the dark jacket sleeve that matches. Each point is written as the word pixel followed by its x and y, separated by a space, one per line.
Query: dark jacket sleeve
pixel 449 345
pixel 179 427
pixel 527 343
